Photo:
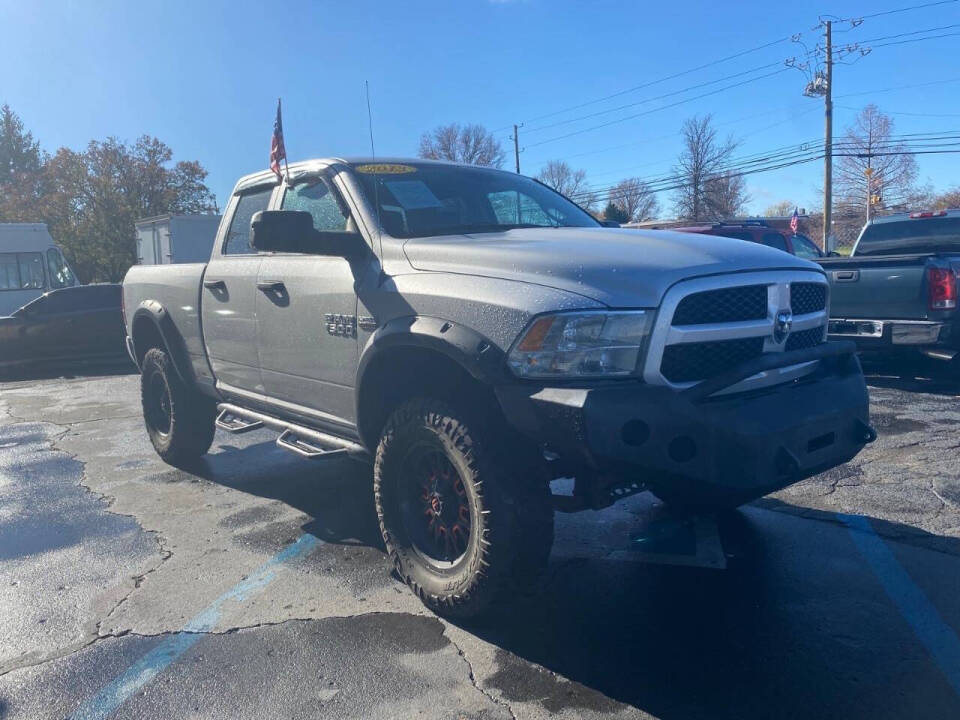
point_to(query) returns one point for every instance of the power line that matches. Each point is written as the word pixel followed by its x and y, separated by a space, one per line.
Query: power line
pixel 665 107
pixel 647 141
pixel 652 99
pixel 793 155
pixel 906 34
pixel 895 112
pixel 901 87
pixel 898 10
pixel 928 37
pixel 660 80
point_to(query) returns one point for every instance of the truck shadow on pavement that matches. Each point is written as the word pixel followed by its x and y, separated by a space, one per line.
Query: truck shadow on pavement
pixel 914 374
pixel 798 625
pixel 337 495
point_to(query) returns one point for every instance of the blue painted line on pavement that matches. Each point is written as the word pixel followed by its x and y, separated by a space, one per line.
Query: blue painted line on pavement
pixel 171 648
pixel 934 633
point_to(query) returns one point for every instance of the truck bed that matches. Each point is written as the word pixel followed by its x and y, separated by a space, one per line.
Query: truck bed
pixel 177 289
pixel 882 287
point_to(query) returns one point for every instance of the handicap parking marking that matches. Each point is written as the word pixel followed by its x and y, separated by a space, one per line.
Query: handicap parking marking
pixel 150 665
pixel 939 639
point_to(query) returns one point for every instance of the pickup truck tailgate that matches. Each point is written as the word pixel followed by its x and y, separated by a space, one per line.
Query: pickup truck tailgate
pixel 890 288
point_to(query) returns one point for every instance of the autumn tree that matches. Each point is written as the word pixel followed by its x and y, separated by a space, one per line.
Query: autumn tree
pixel 708 191
pixel 21 168
pixel 90 199
pixel 870 143
pixel 98 194
pixel 635 199
pixel 470 144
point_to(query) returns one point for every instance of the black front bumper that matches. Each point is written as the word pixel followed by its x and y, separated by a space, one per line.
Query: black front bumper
pixel 746 444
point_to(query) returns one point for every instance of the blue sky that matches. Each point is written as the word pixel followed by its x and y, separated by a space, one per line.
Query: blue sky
pixel 204 77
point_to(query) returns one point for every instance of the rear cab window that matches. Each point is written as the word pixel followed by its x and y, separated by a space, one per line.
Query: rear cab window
pixel 238 236
pixel 804 247
pixel 775 240
pixel 911 235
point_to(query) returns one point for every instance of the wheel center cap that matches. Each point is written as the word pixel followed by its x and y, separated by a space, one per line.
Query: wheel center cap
pixel 436 503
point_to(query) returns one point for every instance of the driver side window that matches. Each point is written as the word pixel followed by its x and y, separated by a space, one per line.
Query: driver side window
pixel 318 200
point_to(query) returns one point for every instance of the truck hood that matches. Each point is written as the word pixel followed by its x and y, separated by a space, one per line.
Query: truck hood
pixel 618 267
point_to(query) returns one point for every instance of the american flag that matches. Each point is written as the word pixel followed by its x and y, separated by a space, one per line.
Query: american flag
pixel 277 151
pixel 794 221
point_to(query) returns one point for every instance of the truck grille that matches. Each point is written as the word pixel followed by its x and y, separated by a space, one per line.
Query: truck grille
pixel 805 339
pixel 748 302
pixel 808 298
pixel 696 361
pixel 712 325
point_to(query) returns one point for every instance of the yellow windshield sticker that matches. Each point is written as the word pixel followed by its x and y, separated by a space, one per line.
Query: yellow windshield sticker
pixel 385 169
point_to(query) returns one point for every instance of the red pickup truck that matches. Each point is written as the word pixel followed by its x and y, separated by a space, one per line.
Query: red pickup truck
pixel 759 232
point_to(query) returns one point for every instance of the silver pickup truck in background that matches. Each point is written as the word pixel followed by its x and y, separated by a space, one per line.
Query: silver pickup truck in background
pixel 475 335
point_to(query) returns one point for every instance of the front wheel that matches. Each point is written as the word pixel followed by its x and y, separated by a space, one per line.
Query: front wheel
pixel 456 522
pixel 179 421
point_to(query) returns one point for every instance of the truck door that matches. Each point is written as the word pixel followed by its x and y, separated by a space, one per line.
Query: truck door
pixel 306 316
pixel 228 297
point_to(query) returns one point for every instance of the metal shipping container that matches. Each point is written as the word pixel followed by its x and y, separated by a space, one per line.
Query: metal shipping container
pixel 167 239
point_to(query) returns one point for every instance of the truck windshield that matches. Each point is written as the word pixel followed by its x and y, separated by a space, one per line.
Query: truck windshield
pixel 420 200
pixel 926 235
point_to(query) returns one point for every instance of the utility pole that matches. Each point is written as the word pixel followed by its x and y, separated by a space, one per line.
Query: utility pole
pixel 869 173
pixel 516 147
pixel 828 145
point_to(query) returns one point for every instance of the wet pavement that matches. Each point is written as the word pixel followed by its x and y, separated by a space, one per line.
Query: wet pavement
pixel 257 586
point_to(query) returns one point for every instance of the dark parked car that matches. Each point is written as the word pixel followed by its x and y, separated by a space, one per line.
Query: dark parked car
pixel 83 323
pixel 759 232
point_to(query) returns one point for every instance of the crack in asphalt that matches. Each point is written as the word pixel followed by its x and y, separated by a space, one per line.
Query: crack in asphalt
pixel 52 442
pixel 473 678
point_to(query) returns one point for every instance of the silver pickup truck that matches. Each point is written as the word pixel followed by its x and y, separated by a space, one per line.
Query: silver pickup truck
pixel 476 335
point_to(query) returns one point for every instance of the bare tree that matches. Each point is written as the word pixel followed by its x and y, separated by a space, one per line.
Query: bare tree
pixel 707 193
pixel 780 209
pixel 471 144
pixel 727 195
pixel 635 198
pixel 892 175
pixel 947 200
pixel 569 182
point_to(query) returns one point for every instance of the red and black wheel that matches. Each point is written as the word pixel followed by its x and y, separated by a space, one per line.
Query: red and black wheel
pixel 456 521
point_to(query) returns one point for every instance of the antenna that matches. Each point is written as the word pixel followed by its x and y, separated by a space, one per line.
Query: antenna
pixel 376 178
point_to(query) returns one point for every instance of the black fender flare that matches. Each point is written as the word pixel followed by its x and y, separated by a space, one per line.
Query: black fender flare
pixel 155 313
pixel 475 353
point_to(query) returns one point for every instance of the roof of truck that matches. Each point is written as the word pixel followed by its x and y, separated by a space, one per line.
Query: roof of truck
pixel 303 167
pixel 918 215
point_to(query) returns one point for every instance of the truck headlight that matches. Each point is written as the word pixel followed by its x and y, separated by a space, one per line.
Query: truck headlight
pixel 594 343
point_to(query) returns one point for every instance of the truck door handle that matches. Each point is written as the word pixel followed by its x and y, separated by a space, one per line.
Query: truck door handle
pixel 215 284
pixel 271 285
pixel 846 275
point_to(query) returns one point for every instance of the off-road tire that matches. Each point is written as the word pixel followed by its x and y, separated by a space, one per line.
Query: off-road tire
pixel 188 432
pixel 510 511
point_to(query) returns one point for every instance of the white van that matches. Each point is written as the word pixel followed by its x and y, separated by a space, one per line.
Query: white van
pixel 30 265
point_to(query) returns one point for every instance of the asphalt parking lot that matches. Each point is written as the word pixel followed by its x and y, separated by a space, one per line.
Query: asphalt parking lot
pixel 257 586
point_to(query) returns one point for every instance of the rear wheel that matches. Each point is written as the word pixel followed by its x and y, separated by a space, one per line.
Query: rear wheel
pixel 179 421
pixel 457 523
